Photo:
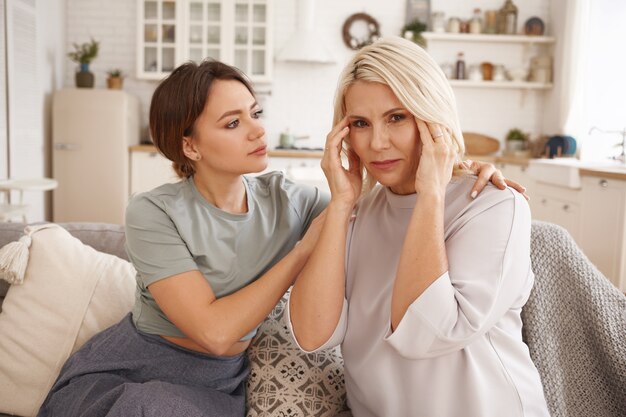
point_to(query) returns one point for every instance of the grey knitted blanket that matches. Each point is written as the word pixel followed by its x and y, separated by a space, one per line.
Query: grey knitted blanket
pixel 575 327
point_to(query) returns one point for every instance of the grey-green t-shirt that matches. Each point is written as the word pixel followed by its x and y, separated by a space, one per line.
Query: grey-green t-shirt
pixel 173 229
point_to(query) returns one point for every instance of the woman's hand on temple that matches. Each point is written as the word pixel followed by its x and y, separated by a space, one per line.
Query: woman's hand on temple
pixel 434 170
pixel 345 184
pixel 487 172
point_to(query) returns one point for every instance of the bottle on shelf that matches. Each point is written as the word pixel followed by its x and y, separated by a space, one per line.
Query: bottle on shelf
pixel 508 18
pixel 476 23
pixel 460 67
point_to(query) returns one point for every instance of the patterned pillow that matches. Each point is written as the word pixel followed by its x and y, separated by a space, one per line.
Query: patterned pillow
pixel 286 382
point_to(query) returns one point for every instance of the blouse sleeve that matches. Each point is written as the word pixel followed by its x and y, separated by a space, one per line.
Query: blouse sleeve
pixel 335 339
pixel 153 243
pixel 489 273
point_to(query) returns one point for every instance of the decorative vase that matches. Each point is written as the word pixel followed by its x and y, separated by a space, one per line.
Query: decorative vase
pixel 84 78
pixel 115 83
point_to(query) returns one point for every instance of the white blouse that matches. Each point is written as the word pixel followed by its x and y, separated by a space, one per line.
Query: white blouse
pixel 458 350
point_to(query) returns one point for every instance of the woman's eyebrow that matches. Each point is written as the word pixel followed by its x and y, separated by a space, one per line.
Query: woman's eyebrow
pixel 395 109
pixel 234 112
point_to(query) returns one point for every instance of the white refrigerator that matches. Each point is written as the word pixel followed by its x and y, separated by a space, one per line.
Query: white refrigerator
pixel 92 130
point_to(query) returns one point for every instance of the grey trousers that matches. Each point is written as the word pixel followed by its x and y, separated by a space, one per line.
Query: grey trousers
pixel 123 372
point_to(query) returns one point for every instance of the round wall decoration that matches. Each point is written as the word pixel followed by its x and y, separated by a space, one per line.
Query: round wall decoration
pixel 359 30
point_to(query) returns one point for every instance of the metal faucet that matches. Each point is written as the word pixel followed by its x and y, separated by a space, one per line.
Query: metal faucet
pixel 622 156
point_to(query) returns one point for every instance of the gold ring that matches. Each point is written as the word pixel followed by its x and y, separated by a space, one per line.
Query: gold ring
pixel 438 135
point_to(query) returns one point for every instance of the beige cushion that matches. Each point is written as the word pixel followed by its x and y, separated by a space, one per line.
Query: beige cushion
pixel 70 292
pixel 284 381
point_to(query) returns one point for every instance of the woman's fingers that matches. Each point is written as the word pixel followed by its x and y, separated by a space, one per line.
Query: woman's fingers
pixel 354 163
pixel 332 148
pixel 485 173
pixel 332 140
pixel 517 187
pixel 425 136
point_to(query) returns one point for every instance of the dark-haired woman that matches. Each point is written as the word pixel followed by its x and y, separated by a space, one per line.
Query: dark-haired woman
pixel 214 253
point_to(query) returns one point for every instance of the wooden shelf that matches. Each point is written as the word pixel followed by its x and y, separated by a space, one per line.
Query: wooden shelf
pixel 470 37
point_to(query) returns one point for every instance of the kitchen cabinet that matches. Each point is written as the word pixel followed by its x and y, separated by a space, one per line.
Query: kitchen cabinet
pixel 558 205
pixel 237 32
pixel 519 173
pixel 603 228
pixel 301 170
pixel 148 170
pixel 513 51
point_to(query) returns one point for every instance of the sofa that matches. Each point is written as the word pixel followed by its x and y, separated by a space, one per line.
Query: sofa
pixel 574 324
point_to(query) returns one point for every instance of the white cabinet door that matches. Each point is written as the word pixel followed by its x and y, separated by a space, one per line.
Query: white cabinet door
pixel 301 170
pixel 519 173
pixel 237 32
pixel 158 37
pixel 558 205
pixel 603 227
pixel 148 170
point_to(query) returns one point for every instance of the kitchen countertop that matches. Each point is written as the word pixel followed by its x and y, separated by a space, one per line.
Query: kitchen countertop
pixel 612 173
pixel 283 153
pixel 618 173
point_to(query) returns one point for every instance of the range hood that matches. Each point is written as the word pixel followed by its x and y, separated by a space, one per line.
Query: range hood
pixel 305 44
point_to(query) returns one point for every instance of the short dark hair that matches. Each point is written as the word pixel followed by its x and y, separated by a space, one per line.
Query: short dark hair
pixel 179 100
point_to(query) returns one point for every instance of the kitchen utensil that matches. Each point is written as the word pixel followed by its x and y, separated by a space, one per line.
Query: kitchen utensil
pixel 288 140
pixel 479 144
pixel 487 69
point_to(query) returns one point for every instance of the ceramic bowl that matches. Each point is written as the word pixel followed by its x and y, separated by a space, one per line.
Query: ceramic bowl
pixel 518 74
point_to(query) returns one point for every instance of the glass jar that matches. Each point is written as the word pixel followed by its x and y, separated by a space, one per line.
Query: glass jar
pixel 437 20
pixel 491 22
pixel 476 23
pixel 454 25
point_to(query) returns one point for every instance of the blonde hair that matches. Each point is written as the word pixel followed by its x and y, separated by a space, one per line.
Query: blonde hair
pixel 415 79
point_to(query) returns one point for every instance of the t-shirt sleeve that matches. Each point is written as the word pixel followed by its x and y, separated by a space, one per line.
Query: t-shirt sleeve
pixel 153 243
pixel 308 201
pixel 489 274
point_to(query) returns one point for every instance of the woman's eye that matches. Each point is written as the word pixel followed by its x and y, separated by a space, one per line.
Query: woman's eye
pixel 233 124
pixel 257 114
pixel 397 117
pixel 359 123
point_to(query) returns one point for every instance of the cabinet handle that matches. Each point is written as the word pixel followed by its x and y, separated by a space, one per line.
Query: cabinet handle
pixel 566 208
pixel 66 147
pixel 544 201
pixel 604 183
pixel 153 154
pixel 523 168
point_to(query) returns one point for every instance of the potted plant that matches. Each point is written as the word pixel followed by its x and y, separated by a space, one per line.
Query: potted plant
pixel 413 32
pixel 83 55
pixel 516 140
pixel 115 81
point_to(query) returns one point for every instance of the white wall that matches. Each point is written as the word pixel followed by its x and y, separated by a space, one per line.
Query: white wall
pixel 302 94
pixel 51 60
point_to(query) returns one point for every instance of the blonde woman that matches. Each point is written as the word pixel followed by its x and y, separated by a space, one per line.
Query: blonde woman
pixel 421 284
